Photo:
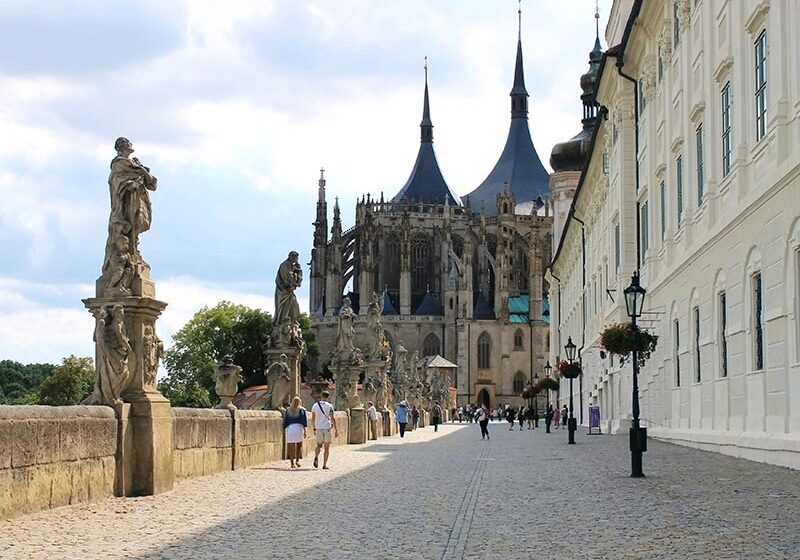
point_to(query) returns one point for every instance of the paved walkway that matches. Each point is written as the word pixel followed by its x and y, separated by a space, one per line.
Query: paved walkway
pixel 445 496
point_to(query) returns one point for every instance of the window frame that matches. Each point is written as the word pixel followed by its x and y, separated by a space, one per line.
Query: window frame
pixel 676 334
pixel 644 227
pixel 722 332
pixel 757 295
pixel 484 348
pixel 696 344
pixel 727 128
pixel 663 195
pixel 679 186
pixel 760 83
pixel 701 187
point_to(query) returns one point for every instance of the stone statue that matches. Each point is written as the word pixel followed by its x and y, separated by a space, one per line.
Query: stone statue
pixel 401 378
pixel 113 348
pixel 227 376
pixel 281 388
pixel 344 388
pixel 346 332
pixel 153 352
pixel 378 347
pixel 130 184
pixel 285 325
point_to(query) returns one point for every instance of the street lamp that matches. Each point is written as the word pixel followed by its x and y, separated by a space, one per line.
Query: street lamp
pixel 634 300
pixel 571 424
pixel 535 398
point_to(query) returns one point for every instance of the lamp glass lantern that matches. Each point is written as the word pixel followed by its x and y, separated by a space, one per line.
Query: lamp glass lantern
pixel 634 297
pixel 548 369
pixel 570 349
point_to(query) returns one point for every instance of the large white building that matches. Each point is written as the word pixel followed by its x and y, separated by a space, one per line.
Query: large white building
pixel 715 87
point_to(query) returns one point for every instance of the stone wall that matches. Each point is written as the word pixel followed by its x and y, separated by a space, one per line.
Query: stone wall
pixel 54 456
pixel 202 441
pixel 259 437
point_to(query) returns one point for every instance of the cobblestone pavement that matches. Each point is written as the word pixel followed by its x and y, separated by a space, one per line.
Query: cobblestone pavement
pixel 445 496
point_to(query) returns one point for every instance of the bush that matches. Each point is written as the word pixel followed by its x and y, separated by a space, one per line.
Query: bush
pixel 548 383
pixel 569 370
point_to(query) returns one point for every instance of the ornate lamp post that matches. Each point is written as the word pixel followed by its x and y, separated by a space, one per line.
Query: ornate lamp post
pixel 548 371
pixel 572 374
pixel 634 300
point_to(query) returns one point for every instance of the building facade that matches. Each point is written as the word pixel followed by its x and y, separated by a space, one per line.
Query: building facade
pixel 705 203
pixel 458 276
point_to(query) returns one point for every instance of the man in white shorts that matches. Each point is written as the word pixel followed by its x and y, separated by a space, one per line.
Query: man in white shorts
pixel 323 420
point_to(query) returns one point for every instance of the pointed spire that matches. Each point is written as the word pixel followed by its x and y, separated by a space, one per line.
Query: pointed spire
pixel 321 184
pixel 426 126
pixel 519 95
pixel 597 47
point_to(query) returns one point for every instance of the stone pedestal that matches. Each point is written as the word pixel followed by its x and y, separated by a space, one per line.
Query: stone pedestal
pixel 389 424
pixel 358 426
pixel 144 453
pixel 346 379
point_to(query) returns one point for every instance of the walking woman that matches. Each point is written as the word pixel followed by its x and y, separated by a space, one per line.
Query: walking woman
pixel 556 417
pixel 523 412
pixel 296 426
pixel 483 419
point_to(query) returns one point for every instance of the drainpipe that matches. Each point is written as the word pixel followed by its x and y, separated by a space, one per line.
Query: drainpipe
pixel 559 326
pixel 583 314
pixel 620 64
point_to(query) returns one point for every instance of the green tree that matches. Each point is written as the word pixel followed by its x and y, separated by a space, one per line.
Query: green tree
pixel 226 328
pixel 71 382
pixel 19 383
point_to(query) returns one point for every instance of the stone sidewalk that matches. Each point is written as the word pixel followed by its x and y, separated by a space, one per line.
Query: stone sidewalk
pixel 445 496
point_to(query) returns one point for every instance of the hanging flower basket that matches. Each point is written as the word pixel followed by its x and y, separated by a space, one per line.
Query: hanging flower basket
pixel 624 338
pixel 548 384
pixel 569 370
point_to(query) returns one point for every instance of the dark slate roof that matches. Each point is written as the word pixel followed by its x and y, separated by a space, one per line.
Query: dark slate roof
pixel 430 305
pixel 481 309
pixel 426 183
pixel 388 306
pixel 519 166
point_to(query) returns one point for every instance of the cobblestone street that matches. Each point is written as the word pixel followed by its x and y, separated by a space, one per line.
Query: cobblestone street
pixel 445 496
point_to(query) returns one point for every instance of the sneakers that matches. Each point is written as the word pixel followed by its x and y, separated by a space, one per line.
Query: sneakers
pixel 316 462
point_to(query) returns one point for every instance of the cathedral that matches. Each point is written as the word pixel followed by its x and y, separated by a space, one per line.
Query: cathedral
pixel 460 276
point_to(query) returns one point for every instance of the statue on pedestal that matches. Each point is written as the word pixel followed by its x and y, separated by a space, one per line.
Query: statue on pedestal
pixel 281 386
pixel 286 329
pixel 153 352
pixel 130 184
pixel 227 376
pixel 113 348
pixel 345 351
pixel 378 348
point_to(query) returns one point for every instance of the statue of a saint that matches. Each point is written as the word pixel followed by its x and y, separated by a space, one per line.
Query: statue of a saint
pixel 375 334
pixel 285 324
pixel 346 333
pixel 279 380
pixel 113 348
pixel 153 352
pixel 129 184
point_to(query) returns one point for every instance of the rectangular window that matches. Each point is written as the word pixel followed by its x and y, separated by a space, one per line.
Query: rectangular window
pixel 676 25
pixel 605 163
pixel 644 226
pixel 663 194
pixel 758 322
pixel 697 344
pixel 700 175
pixel 679 185
pixel 726 129
pixel 676 356
pixel 617 248
pixel 723 334
pixel 761 84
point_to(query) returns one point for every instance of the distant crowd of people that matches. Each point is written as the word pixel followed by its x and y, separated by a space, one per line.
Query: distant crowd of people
pixel 524 415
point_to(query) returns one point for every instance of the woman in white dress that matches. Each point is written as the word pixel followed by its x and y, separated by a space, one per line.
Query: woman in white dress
pixel 296 425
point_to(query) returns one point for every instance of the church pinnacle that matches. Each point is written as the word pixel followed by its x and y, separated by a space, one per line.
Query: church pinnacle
pixel 426 126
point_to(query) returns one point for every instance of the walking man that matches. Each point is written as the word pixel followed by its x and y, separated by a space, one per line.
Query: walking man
pixel 372 416
pixel 401 413
pixel 323 420
pixel 436 416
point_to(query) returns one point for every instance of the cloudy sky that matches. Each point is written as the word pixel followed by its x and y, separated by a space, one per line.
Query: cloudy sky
pixel 235 106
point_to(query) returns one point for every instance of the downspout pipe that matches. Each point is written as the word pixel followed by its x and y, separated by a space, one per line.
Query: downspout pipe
pixel 635 83
pixel 583 314
pixel 557 279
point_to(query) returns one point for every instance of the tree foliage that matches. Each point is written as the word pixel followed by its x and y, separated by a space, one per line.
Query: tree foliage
pixel 19 383
pixel 71 382
pixel 225 329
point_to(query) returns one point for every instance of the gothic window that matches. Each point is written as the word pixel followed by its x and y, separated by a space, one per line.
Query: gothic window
pixel 521 270
pixel 484 351
pixel 519 340
pixel 458 246
pixel 430 347
pixel 420 261
pixel 391 264
pixel 519 382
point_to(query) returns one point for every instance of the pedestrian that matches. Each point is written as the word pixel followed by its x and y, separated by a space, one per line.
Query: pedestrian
pixel 530 418
pixel 372 416
pixel 453 415
pixel 564 416
pixel 548 418
pixel 521 417
pixel 436 416
pixel 415 416
pixel 296 425
pixel 483 421
pixel 323 419
pixel 401 414
pixel 556 417
pixel 510 418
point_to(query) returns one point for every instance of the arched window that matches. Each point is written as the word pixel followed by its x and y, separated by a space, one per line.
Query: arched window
pixel 431 345
pixel 421 269
pixel 519 382
pixel 391 266
pixel 519 340
pixel 484 351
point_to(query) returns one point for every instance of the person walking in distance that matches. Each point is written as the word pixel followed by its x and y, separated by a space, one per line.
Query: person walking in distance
pixel 415 416
pixel 436 416
pixel 295 423
pixel 548 418
pixel 372 417
pixel 323 420
pixel 483 421
pixel 521 416
pixel 401 413
pixel 556 417
pixel 564 416
pixel 510 418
